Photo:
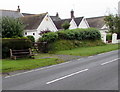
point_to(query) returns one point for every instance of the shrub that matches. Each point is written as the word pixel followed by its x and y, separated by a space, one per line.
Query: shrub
pixel 14 43
pixel 109 37
pixel 66 25
pixel 11 27
pixel 49 37
pixel 31 38
pixel 43 32
pixel 80 34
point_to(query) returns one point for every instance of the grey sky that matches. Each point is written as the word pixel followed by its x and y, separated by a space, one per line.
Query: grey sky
pixel 87 8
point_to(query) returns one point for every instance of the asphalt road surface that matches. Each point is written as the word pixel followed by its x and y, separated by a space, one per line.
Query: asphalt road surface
pixel 98 72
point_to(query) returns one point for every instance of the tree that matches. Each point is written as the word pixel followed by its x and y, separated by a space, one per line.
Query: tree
pixel 113 22
pixel 66 25
pixel 11 27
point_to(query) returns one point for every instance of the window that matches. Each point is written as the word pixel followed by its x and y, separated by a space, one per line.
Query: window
pixel 25 33
pixel 33 33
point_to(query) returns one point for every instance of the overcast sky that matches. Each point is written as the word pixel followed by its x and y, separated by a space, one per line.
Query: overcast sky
pixel 87 8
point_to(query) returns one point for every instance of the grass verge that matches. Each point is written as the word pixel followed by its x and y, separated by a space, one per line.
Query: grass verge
pixel 88 51
pixel 9 65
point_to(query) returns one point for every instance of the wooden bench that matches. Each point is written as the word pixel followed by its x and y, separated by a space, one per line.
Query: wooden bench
pixel 20 53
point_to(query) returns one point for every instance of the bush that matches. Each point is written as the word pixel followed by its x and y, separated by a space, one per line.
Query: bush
pixel 11 43
pixel 31 38
pixel 109 37
pixel 44 32
pixel 66 25
pixel 11 28
pixel 49 37
pixel 80 34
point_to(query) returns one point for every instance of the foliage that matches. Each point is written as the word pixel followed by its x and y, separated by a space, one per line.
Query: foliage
pixel 31 38
pixel 66 25
pixel 45 31
pixel 11 27
pixel 113 22
pixel 49 37
pixel 14 43
pixel 109 37
pixel 80 34
pixel 67 45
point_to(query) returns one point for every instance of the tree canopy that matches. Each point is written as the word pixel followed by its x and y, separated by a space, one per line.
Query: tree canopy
pixel 11 27
pixel 66 25
pixel 113 22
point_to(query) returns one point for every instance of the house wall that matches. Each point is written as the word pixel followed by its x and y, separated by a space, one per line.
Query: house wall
pixel 33 33
pixel 73 25
pixel 83 24
pixel 47 24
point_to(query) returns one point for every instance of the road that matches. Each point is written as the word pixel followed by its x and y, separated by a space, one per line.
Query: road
pixel 98 72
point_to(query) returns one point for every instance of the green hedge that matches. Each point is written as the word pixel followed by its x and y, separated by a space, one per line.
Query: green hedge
pixel 49 37
pixel 68 39
pixel 80 34
pixel 76 34
pixel 14 43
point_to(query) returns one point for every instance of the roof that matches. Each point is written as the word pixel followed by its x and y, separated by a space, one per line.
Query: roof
pixel 10 13
pixel 78 20
pixel 55 18
pixel 59 23
pixel 27 14
pixel 33 21
pixel 96 22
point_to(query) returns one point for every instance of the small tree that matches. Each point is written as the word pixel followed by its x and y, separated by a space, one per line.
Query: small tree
pixel 66 25
pixel 113 22
pixel 11 27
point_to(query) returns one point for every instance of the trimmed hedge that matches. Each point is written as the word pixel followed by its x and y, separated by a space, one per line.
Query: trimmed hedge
pixel 76 34
pixel 14 43
pixel 68 39
pixel 80 34
pixel 49 37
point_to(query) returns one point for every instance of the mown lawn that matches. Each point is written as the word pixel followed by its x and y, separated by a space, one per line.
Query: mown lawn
pixel 9 65
pixel 88 51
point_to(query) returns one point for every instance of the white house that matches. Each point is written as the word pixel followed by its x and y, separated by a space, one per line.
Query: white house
pixel 75 22
pixel 98 22
pixel 37 23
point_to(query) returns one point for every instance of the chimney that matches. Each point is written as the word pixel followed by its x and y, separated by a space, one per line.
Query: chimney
pixel 72 14
pixel 57 15
pixel 18 9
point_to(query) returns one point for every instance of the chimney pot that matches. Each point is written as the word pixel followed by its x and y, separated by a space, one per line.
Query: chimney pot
pixel 18 8
pixel 72 14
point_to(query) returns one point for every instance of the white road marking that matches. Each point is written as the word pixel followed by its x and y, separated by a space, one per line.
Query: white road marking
pixel 110 61
pixel 67 76
pixel 37 69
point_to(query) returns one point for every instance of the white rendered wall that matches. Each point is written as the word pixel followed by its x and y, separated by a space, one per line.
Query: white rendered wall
pixel 73 25
pixel 83 24
pixel 47 24
pixel 30 33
